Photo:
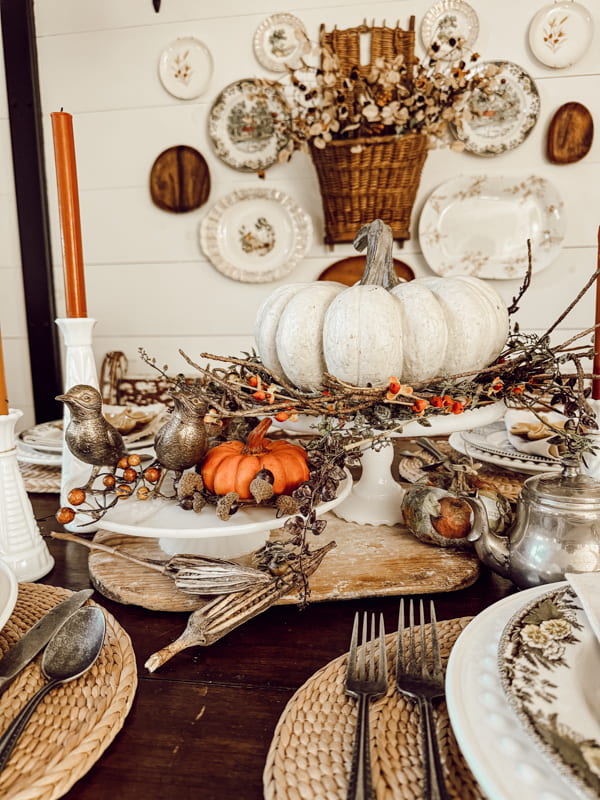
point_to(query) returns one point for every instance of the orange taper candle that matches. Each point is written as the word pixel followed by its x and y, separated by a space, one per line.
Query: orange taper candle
pixel 68 205
pixel 3 392
pixel 596 366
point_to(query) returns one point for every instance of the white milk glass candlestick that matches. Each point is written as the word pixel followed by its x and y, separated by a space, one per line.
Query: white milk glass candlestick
pixel 21 544
pixel 80 368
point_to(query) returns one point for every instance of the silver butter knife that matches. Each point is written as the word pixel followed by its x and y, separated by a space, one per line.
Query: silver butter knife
pixel 29 645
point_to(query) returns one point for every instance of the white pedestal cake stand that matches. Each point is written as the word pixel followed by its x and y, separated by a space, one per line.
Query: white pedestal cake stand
pixel 376 498
pixel 181 531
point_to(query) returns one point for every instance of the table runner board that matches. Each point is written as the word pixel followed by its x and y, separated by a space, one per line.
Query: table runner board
pixel 311 749
pixel 76 722
pixel 368 561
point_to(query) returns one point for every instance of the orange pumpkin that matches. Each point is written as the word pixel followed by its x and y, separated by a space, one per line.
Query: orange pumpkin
pixel 231 466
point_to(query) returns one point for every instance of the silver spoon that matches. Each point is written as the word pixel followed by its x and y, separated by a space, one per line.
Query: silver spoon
pixel 71 652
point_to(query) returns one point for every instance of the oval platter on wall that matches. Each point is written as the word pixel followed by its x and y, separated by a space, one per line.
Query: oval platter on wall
pixel 570 134
pixel 179 179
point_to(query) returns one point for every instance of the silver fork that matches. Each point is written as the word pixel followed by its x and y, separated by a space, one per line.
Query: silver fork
pixel 365 680
pixel 414 679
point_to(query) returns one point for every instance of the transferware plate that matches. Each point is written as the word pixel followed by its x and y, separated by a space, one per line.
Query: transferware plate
pixel 449 29
pixel 479 225
pixel 549 662
pixel 280 41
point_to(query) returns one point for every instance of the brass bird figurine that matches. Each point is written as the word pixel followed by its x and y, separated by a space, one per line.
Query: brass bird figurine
pixel 182 440
pixel 90 437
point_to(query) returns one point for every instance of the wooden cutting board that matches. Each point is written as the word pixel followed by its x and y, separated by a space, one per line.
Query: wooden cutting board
pixel 368 561
pixel 570 134
pixel 179 179
pixel 350 270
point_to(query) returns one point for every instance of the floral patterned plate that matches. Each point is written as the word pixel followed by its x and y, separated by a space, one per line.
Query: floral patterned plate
pixel 255 235
pixel 185 68
pixel 449 29
pixel 549 662
pixel 479 225
pixel 280 41
pixel 249 125
pixel 560 33
pixel 502 120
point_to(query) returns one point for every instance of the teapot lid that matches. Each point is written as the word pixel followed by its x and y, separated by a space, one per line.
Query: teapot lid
pixel 569 488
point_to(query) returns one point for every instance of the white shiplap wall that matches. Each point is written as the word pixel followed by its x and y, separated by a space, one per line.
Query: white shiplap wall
pixel 148 283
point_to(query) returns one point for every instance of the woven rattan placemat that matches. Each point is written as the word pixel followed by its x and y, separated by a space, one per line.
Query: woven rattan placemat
pixel 75 722
pixel 310 754
pixel 38 478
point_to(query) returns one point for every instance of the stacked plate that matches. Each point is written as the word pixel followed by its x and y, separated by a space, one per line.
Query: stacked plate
pixel 523 697
pixel 490 444
pixel 42 444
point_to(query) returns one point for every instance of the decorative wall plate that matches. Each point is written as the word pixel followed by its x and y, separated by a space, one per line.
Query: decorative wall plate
pixel 503 120
pixel 185 68
pixel 280 41
pixel 560 33
pixel 255 235
pixel 249 124
pixel 549 662
pixel 449 28
pixel 479 225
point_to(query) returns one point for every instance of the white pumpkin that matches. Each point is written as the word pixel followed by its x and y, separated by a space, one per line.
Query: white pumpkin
pixel 364 334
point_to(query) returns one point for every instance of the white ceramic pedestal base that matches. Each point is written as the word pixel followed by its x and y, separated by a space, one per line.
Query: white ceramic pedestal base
pixel 376 498
pixel 80 367
pixel 21 544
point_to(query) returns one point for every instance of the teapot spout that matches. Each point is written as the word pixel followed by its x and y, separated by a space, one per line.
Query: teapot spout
pixel 491 548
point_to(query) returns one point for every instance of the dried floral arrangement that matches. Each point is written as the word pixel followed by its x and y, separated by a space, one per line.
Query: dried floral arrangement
pixel 391 96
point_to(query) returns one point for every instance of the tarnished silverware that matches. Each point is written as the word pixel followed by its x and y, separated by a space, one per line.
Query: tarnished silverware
pixel 414 679
pixel 366 679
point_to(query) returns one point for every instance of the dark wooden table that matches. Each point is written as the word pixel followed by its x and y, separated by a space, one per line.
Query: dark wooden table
pixel 202 724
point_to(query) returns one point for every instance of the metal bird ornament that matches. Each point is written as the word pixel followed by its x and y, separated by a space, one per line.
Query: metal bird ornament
pixel 90 437
pixel 182 440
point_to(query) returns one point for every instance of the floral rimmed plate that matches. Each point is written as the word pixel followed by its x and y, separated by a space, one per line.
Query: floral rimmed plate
pixel 502 120
pixel 185 68
pixel 479 225
pixel 280 41
pixel 249 125
pixel 560 33
pixel 549 662
pixel 255 235
pixel 449 28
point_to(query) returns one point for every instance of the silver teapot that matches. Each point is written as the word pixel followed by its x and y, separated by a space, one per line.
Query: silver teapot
pixel 556 530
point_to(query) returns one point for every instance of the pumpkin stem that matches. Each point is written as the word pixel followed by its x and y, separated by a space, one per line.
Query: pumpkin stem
pixel 379 268
pixel 255 441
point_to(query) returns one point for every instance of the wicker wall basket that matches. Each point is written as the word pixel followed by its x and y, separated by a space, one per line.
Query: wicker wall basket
pixel 378 182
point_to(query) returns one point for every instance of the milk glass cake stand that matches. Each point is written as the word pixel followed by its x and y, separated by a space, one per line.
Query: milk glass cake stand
pixel 181 531
pixel 376 498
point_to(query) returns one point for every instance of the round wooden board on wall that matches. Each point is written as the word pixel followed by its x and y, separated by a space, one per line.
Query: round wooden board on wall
pixel 570 134
pixel 350 270
pixel 179 179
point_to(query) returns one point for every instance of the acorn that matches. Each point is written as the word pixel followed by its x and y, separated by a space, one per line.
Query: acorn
pixel 261 486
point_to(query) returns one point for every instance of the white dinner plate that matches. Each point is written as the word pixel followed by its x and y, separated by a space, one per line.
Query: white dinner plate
pixel 9 590
pixel 494 439
pixel 549 661
pixel 560 33
pixel 515 464
pixel 185 68
pixel 255 235
pixel 30 455
pixel 500 752
pixel 280 41
pixel 502 119
pixel 449 29
pixel 47 438
pixel 479 225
